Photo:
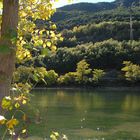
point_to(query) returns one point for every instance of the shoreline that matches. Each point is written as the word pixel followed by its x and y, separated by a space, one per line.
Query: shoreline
pixel 119 88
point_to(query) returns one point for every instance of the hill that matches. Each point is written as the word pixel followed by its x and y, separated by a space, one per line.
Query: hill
pixel 100 33
pixel 127 3
pixel 73 15
pixel 100 6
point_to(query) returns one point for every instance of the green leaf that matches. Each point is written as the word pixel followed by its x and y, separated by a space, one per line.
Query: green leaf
pixel 45 51
pixel 17 105
pixel 35 77
pixel 44 81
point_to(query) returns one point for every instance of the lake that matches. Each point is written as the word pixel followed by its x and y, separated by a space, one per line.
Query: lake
pixel 84 114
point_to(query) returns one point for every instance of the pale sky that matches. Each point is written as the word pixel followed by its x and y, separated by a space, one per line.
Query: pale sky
pixel 63 2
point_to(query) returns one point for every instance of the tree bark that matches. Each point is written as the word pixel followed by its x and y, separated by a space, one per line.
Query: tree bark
pixel 8 32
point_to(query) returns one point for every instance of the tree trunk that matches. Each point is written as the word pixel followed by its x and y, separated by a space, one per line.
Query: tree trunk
pixel 7 48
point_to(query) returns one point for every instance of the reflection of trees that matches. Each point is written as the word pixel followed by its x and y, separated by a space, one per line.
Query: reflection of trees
pixel 74 109
pixel 88 101
pixel 131 103
pixel 76 99
pixel 42 101
pixel 81 102
pixel 98 101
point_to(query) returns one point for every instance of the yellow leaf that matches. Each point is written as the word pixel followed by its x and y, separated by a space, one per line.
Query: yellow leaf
pixel 11 123
pixel 2 119
pixel 24 131
pixel 24 102
pixel 17 105
pixel 53 27
pixel 53 48
pixel 49 44
pixel 6 103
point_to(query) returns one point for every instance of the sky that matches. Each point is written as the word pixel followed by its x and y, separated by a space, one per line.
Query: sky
pixel 64 2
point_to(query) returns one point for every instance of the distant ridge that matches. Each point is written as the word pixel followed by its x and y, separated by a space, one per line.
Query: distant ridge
pixel 100 6
pixel 89 7
pixel 127 3
pixel 78 14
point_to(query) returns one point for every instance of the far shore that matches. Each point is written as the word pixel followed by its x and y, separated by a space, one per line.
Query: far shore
pixel 119 88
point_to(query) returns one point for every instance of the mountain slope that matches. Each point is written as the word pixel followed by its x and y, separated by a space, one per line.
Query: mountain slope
pixel 86 13
pixel 127 3
pixel 100 6
pixel 89 7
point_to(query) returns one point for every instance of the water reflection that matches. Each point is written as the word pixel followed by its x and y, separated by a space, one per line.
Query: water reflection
pixel 82 113
pixel 131 103
pixel 79 101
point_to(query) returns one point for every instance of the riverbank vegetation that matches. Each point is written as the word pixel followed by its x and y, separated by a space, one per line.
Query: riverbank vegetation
pixel 93 53
pixel 84 75
pixel 109 56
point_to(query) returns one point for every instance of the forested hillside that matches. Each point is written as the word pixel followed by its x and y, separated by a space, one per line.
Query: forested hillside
pixel 104 34
pixel 85 13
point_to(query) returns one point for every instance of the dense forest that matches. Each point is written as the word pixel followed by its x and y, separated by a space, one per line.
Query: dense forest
pixel 105 35
pixel 73 15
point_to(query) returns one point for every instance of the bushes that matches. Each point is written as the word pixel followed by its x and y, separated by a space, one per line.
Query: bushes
pixel 108 54
pixel 132 71
pixel 85 76
pixel 83 72
pixel 67 79
pixel 99 32
pixel 82 75
pixel 31 74
pixel 98 75
pixel 51 77
pixel 40 75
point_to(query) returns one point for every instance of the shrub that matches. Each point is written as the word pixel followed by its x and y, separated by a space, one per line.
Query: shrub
pixel 68 78
pixel 98 74
pixel 132 71
pixel 82 72
pixel 51 77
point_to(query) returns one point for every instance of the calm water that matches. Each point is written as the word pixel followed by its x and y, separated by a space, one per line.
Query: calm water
pixel 87 114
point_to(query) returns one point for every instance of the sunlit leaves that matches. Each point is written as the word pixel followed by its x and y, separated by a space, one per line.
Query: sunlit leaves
pixel 24 131
pixel 24 73
pixel 34 36
pixel 32 42
pixel 98 74
pixel 132 71
pixel 83 71
pixel 2 120
pixel 11 123
pixel 57 136
pixel 39 74
pixel 54 135
pixel 7 103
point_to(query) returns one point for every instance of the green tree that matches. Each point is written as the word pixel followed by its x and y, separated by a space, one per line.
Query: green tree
pixel 21 42
pixel 83 71
pixel 132 71
pixel 51 77
pixel 68 78
pixel 16 26
pixel 98 74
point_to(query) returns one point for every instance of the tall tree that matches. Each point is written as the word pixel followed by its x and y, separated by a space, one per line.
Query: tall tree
pixel 7 48
pixel 22 15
